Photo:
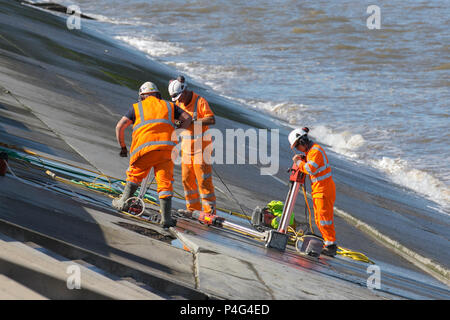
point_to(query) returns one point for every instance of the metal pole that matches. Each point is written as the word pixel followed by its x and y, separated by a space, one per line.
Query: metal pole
pixel 261 235
pixel 289 207
pixel 144 185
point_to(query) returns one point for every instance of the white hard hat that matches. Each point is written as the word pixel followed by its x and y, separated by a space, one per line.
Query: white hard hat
pixel 148 87
pixel 176 88
pixel 296 135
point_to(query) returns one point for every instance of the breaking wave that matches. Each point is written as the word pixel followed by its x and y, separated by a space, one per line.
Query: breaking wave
pixel 152 46
pixel 402 173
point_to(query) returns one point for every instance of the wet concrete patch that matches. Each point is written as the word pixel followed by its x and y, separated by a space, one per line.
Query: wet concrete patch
pixel 146 232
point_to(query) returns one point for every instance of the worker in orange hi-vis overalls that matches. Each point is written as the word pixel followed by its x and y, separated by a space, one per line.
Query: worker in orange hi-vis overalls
pixel 153 122
pixel 195 139
pixel 315 163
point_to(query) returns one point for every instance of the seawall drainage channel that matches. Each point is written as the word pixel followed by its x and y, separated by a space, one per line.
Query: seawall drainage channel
pixel 169 287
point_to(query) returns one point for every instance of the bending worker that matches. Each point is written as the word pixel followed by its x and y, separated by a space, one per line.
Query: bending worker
pixel 315 163
pixel 194 168
pixel 153 122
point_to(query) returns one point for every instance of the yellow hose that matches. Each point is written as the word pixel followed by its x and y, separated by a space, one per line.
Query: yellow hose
pixel 358 256
pixel 309 209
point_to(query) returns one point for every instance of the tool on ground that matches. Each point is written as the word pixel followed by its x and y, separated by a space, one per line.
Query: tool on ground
pixel 278 238
pixel 83 177
pixel 311 245
pixel 262 217
pixel 217 221
pixel 136 205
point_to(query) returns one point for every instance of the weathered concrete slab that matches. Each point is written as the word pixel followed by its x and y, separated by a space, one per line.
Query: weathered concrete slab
pixel 50 277
pixel 13 290
pixel 90 228
pixel 239 267
pixel 259 273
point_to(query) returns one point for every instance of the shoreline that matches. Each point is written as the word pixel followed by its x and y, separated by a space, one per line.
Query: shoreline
pixel 122 99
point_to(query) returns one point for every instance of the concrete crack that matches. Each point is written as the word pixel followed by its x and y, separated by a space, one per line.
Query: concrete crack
pixel 260 279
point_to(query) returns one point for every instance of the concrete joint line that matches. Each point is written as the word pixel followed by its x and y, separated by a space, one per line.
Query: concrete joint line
pixel 51 129
pixel 162 283
pixel 194 249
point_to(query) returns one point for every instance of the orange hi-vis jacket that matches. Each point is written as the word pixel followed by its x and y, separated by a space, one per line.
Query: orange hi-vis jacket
pixel 323 191
pixel 319 170
pixel 153 127
pixel 198 108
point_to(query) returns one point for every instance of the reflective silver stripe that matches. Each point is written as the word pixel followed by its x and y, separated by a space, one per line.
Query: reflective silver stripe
pixel 322 168
pixel 325 161
pixel 141 111
pixel 169 109
pixel 194 115
pixel 308 169
pixel 212 203
pixel 153 143
pixel 145 122
pixel 326 222
pixel 323 155
pixel 209 195
pixel 165 193
pixel 190 192
pixel 327 243
pixel 207 175
pixel 192 201
pixel 321 178
pixel 315 165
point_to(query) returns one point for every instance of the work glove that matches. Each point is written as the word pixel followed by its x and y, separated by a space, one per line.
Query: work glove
pixel 124 152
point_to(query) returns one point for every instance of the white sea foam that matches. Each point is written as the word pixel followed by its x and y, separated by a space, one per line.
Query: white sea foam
pixel 152 46
pixel 296 115
pixel 401 172
pixel 346 143
pixel 349 144
pixel 213 76
pixel 342 142
pixel 102 18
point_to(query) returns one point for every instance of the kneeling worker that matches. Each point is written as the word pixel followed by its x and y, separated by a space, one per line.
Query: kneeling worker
pixel 153 122
pixel 316 164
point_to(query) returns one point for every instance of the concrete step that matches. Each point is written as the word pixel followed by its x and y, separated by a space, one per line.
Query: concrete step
pixel 12 290
pixel 30 273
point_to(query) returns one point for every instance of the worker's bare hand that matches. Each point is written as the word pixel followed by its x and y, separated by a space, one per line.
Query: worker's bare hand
pixel 296 158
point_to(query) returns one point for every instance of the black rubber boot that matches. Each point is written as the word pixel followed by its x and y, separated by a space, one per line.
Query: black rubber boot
pixel 166 213
pixel 128 192
pixel 330 250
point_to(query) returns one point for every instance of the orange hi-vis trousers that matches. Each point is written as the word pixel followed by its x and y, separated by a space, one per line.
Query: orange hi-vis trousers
pixel 161 162
pixel 323 212
pixel 203 194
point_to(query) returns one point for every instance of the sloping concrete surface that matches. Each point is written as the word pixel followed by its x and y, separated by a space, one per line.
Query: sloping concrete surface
pixel 12 290
pixel 85 226
pixel 52 278
pixel 61 94
pixel 252 270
